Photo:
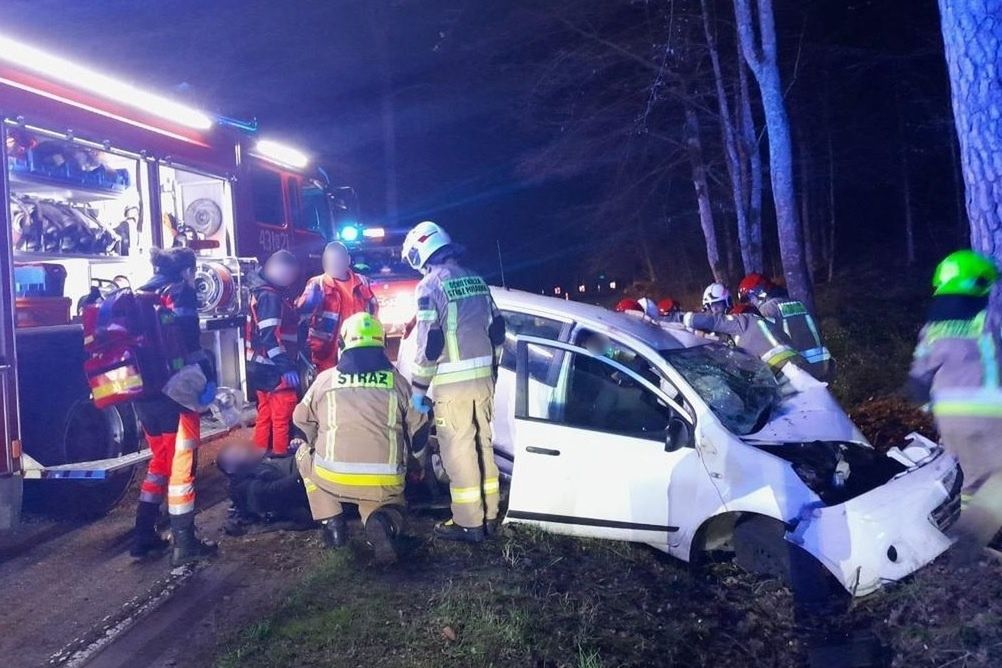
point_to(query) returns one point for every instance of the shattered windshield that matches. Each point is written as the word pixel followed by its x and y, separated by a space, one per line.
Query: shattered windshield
pixel 739 389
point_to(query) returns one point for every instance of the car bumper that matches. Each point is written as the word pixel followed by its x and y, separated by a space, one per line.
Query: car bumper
pixel 887 533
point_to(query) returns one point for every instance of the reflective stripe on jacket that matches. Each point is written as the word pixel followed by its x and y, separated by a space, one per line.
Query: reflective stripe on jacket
pixel 359 426
pixel 455 313
pixel 798 324
pixel 956 367
pixel 272 329
pixel 756 335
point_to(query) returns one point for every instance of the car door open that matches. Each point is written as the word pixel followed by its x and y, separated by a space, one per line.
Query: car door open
pixel 596 459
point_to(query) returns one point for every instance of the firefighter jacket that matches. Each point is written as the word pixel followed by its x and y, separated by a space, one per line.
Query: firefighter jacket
pixel 793 318
pixel 271 336
pixel 359 421
pixel 459 329
pixel 956 364
pixel 341 299
pixel 182 301
pixel 756 335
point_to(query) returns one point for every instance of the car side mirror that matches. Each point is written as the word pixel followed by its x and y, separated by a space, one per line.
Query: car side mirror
pixel 678 435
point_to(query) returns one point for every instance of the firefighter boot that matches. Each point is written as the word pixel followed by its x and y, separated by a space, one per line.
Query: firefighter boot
pixel 381 531
pixel 451 531
pixel 335 532
pixel 493 528
pixel 146 542
pixel 188 547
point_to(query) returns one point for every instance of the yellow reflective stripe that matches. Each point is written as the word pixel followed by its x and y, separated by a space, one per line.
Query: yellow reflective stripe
pixel 967 409
pixel 331 425
pixel 460 376
pixel 427 315
pixel 116 386
pixel 491 485
pixel 473 494
pixel 391 427
pixel 451 326
pixel 362 479
pixel 780 357
pixel 767 333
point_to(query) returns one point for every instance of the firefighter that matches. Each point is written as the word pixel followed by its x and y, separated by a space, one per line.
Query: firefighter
pixel 172 430
pixel 366 403
pixel 793 318
pixel 272 330
pixel 330 299
pixel 752 333
pixel 459 332
pixel 956 369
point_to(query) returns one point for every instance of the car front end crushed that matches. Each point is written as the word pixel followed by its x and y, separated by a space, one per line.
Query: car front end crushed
pixel 890 531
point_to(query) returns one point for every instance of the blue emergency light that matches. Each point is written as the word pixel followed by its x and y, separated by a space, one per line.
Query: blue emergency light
pixel 350 233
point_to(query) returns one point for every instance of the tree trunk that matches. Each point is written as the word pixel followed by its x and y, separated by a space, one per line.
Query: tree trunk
pixel 906 197
pixel 729 133
pixel 762 60
pixel 702 187
pixel 831 207
pixel 806 218
pixel 972 34
pixel 751 161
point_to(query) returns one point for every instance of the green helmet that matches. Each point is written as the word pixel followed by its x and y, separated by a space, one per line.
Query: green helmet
pixel 361 331
pixel 965 272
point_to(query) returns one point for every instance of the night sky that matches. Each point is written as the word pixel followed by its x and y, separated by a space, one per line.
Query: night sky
pixel 450 79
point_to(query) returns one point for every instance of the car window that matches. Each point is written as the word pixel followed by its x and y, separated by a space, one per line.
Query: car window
pixel 314 214
pixel 543 362
pixel 599 396
pixel 266 190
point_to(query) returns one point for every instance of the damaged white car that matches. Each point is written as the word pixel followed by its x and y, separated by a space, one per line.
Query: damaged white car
pixel 610 426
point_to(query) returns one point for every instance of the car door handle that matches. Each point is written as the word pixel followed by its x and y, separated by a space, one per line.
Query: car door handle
pixel 543 451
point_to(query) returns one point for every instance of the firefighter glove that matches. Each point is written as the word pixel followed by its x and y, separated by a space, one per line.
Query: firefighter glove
pixel 420 402
pixel 291 379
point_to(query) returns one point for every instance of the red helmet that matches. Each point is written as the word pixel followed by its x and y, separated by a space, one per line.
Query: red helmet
pixel 668 305
pixel 754 284
pixel 627 304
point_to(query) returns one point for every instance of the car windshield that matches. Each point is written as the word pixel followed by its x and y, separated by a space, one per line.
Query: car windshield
pixel 739 388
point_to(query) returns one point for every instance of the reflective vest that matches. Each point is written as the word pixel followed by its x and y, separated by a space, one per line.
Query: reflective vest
pixel 455 315
pixel 359 425
pixel 272 329
pixel 956 363
pixel 341 299
pixel 798 324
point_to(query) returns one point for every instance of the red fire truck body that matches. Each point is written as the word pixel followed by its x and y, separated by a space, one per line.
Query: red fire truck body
pixel 94 174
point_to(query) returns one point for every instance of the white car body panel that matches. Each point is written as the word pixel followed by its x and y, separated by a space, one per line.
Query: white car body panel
pixel 643 493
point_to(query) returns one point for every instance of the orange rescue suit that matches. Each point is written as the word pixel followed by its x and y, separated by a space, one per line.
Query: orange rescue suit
pixel 341 299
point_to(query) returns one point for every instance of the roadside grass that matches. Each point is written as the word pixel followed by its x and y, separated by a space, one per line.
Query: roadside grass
pixel 529 599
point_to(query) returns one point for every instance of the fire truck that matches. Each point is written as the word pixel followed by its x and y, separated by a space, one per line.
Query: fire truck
pixel 96 172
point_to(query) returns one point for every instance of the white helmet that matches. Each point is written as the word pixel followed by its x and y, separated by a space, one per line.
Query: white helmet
pixel 421 243
pixel 716 293
pixel 650 307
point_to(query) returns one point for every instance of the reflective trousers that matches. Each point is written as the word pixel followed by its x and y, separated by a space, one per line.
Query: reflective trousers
pixel 173 434
pixel 463 426
pixel 975 442
pixel 274 419
pixel 325 504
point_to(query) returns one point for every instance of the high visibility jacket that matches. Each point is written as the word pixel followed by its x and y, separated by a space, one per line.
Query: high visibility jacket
pixel 359 425
pixel 341 299
pixel 458 330
pixel 756 335
pixel 956 368
pixel 272 335
pixel 797 323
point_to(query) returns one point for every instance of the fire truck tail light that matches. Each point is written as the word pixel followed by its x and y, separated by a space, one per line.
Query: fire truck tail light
pixel 72 74
pixel 281 153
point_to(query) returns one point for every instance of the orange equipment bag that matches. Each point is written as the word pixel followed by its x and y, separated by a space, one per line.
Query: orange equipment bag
pixel 132 345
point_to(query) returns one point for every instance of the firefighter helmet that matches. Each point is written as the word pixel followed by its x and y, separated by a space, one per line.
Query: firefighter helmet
pixel 668 306
pixel 965 272
pixel 716 293
pixel 626 305
pixel 755 286
pixel 361 330
pixel 421 243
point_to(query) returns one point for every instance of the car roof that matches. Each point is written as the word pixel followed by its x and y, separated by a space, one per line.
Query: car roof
pixel 659 337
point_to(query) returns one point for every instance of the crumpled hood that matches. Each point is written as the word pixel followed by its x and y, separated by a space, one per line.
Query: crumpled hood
pixel 812 414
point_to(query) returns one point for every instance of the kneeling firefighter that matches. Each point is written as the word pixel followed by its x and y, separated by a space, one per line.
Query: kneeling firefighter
pixel 272 331
pixel 172 430
pixel 359 422
pixel 459 331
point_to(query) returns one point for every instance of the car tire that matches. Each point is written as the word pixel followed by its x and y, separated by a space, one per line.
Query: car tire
pixel 760 547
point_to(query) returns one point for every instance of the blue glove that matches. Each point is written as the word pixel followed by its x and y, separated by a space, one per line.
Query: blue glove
pixel 314 295
pixel 208 395
pixel 420 403
pixel 291 379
